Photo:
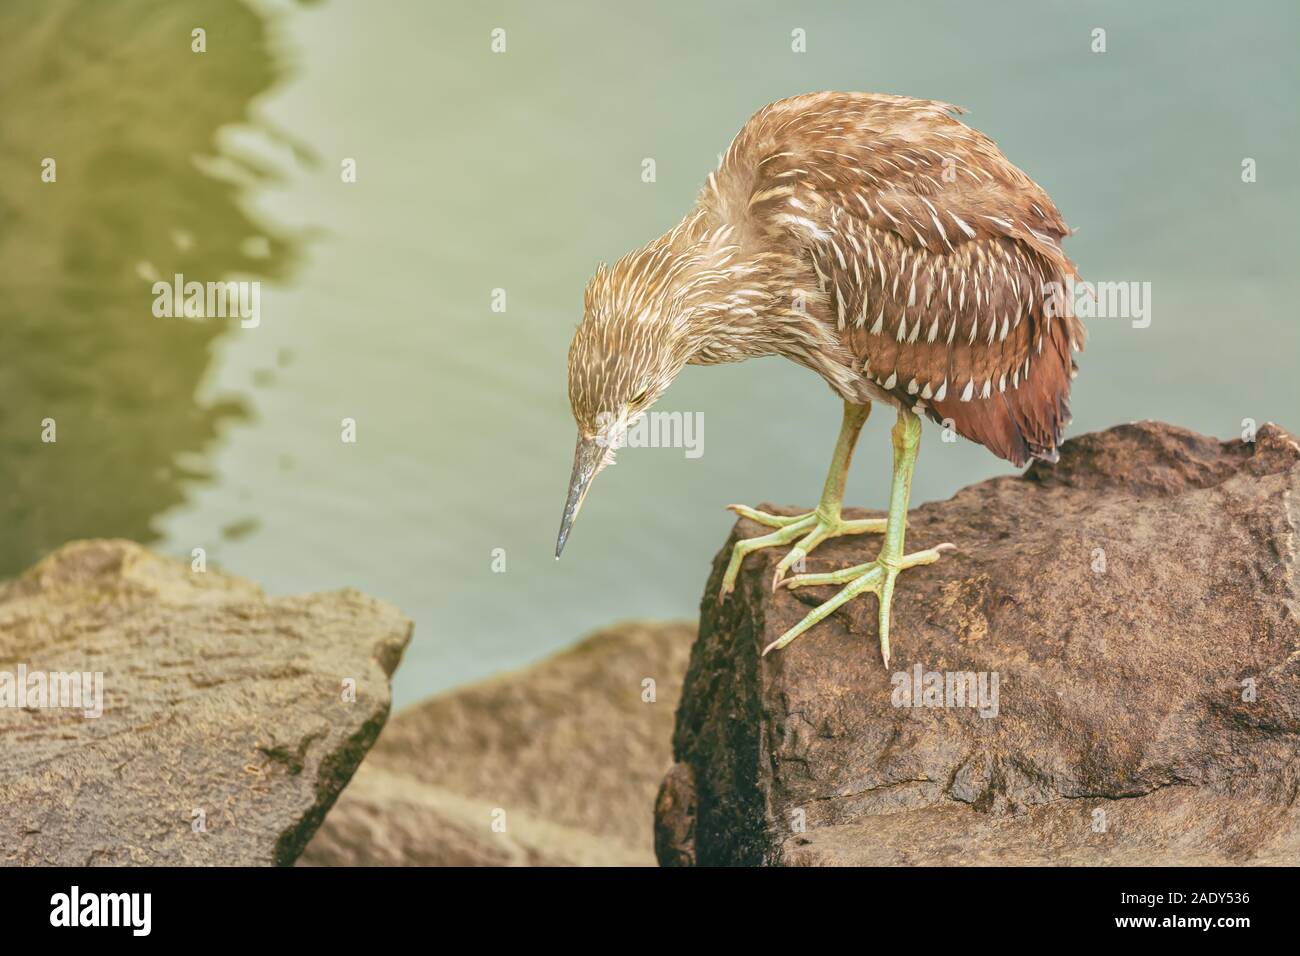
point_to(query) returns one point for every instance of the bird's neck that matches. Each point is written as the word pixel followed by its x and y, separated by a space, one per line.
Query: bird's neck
pixel 743 300
pixel 720 298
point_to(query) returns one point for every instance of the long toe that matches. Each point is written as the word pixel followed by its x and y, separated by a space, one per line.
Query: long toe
pixel 764 517
pixel 747 546
pixel 876 576
pixel 807 531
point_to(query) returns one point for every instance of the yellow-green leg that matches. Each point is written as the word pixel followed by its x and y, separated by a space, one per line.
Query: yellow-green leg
pixel 813 528
pixel 879 575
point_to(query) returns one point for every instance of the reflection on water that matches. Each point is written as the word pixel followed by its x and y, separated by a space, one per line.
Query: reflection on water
pixel 114 95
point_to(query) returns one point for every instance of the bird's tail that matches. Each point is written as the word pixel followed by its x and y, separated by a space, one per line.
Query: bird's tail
pixel 1027 421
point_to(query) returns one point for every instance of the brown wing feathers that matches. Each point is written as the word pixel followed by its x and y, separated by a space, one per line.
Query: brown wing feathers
pixel 936 253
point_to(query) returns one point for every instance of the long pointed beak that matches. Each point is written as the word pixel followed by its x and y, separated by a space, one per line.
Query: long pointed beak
pixel 586 462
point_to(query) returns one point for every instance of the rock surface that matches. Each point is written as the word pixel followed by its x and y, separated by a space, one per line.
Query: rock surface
pixel 225 734
pixel 567 753
pixel 1138 603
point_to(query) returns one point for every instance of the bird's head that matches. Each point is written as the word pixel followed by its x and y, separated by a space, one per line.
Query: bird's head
pixel 632 342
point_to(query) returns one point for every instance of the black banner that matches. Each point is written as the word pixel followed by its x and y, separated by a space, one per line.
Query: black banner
pixel 335 905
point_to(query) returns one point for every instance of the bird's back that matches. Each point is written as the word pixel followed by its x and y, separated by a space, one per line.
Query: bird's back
pixel 936 259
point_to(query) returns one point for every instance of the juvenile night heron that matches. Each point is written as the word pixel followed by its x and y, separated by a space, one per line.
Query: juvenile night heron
pixel 882 244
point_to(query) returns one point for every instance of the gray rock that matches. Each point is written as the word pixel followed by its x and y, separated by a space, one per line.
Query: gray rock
pixel 225 734
pixel 1138 602
pixel 566 754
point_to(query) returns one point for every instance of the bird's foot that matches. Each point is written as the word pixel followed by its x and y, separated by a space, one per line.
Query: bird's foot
pixel 877 577
pixel 806 530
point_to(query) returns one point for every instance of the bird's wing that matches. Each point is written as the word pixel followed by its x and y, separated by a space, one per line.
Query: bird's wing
pixel 936 255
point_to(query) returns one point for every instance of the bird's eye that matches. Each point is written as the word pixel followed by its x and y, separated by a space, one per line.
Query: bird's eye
pixel 639 397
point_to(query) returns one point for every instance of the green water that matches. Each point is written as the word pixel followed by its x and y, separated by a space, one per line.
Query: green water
pixel 521 171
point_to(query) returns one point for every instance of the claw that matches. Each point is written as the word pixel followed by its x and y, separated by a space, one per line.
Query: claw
pixel 796 554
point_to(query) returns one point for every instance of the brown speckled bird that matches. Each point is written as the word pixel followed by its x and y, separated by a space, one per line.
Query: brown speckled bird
pixel 884 245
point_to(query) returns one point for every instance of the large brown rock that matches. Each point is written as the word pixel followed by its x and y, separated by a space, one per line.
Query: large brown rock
pixel 557 764
pixel 230 721
pixel 1138 603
